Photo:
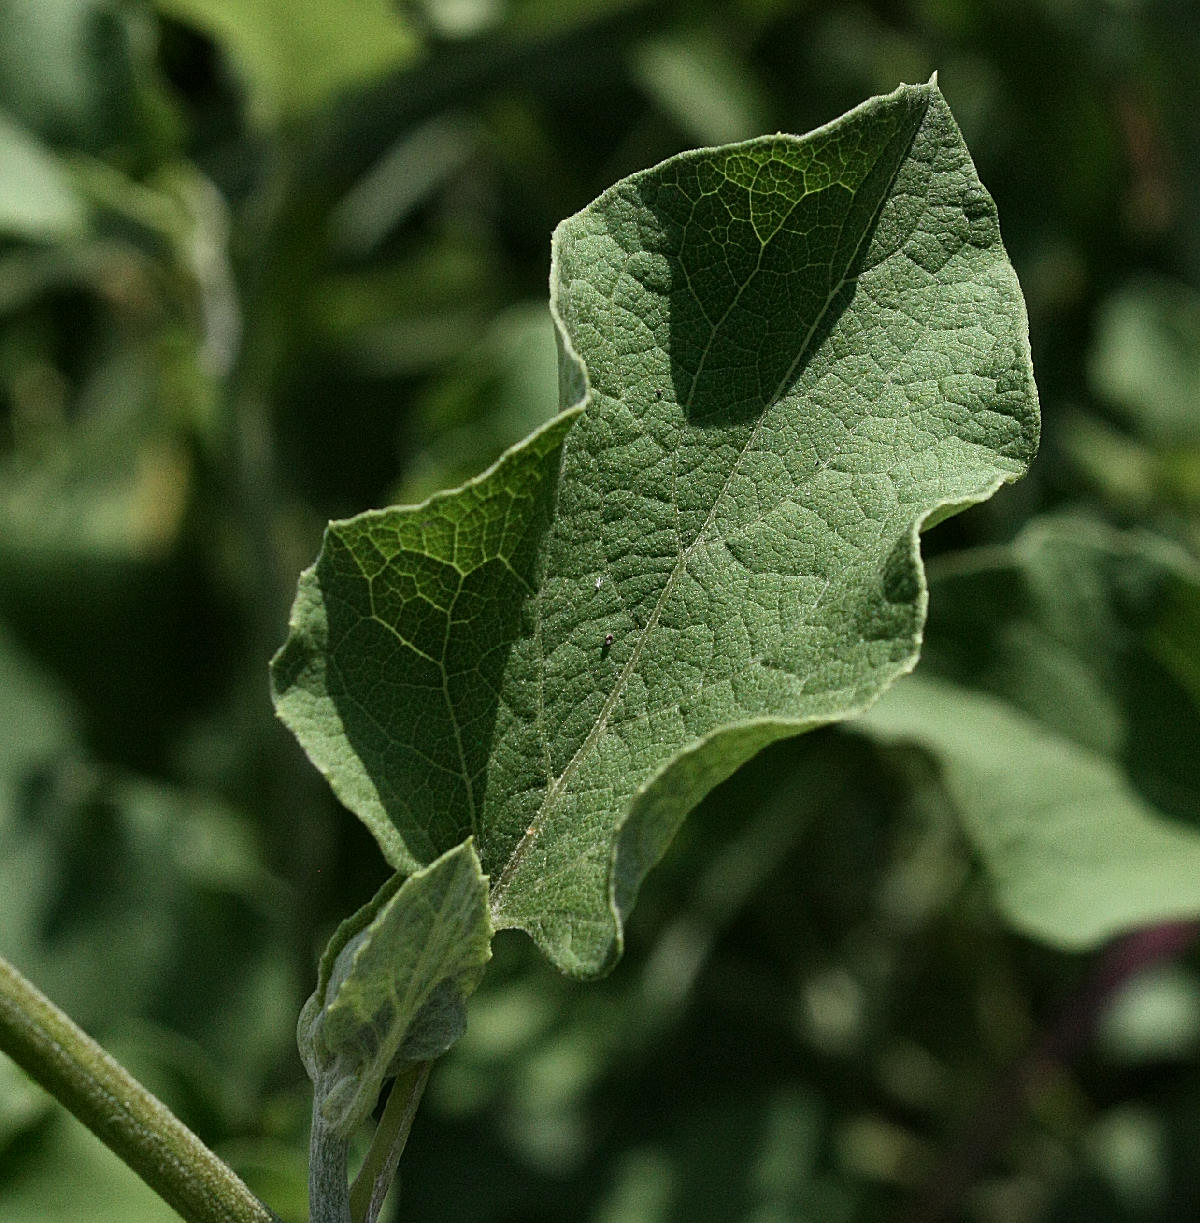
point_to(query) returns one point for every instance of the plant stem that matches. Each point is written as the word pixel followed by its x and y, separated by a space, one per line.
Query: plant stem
pixel 1002 1107
pixel 139 1128
pixel 379 1168
pixel 328 1154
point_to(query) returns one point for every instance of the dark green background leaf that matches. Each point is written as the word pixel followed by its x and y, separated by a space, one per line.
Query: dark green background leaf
pixel 1059 696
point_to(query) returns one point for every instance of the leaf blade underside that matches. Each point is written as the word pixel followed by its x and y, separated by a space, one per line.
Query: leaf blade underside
pixel 780 359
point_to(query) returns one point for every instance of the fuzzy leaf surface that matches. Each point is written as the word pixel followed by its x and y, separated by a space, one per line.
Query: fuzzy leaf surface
pixel 784 357
pixel 393 984
pixel 1060 696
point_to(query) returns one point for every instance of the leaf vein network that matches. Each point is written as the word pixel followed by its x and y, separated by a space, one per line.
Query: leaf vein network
pixel 557 785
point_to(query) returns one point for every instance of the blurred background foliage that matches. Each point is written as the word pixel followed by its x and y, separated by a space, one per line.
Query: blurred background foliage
pixel 262 264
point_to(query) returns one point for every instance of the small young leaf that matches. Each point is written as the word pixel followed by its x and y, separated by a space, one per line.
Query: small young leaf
pixel 393 983
pixel 1059 696
pixel 788 355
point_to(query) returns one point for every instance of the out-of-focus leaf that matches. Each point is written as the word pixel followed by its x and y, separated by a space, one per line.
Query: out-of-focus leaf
pixel 486 401
pixel 22 1102
pixel 41 729
pixel 275 1170
pixel 788 355
pixel 414 315
pixel 101 885
pixel 68 1173
pixel 1156 1017
pixel 1145 360
pixel 39 721
pixel 1140 480
pixel 105 876
pixel 706 91
pixel 1129 1148
pixel 103 477
pixel 37 199
pixel 103 879
pixel 461 18
pixel 1058 691
pixel 83 73
pixel 542 18
pixel 748 1158
pixel 410 171
pixel 296 55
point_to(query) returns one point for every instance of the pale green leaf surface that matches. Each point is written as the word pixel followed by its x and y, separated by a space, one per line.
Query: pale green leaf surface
pixel 393 984
pixel 37 198
pixel 363 663
pixel 296 55
pixel 1057 692
pixel 790 353
pixel 71 1174
pixel 1145 359
pixel 702 85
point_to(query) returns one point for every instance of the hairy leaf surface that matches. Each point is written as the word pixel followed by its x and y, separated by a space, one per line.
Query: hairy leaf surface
pixel 780 360
pixel 393 983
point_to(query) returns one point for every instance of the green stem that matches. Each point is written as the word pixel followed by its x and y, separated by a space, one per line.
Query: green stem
pixel 379 1168
pixel 139 1128
pixel 328 1155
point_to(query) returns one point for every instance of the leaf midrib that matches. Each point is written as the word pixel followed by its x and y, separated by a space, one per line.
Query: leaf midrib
pixel 558 785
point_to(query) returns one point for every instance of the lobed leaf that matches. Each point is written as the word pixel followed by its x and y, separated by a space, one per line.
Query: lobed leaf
pixel 779 359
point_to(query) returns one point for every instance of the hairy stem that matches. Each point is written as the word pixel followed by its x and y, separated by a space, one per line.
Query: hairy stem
pixel 328 1179
pixel 379 1168
pixel 137 1126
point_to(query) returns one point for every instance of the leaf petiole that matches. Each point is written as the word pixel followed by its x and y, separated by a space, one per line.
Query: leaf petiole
pixel 379 1168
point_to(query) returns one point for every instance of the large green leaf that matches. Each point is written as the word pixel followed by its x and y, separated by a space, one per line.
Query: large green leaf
pixel 782 358
pixel 1060 693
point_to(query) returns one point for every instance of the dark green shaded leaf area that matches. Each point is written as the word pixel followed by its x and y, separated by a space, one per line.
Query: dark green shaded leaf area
pixel 1060 696
pixel 778 361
